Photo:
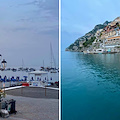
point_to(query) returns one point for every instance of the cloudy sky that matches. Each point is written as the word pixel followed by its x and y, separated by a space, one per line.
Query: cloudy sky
pixel 80 16
pixel 27 27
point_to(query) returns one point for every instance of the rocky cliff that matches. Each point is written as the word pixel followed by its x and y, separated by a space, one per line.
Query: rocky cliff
pixel 86 40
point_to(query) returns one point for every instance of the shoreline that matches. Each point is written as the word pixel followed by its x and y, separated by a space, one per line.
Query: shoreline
pixel 95 53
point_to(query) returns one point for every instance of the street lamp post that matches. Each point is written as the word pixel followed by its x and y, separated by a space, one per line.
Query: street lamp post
pixel 4 64
pixel 2 93
pixel 0 61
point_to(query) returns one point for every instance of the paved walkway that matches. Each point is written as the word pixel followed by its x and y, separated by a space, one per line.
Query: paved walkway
pixel 32 104
pixel 34 108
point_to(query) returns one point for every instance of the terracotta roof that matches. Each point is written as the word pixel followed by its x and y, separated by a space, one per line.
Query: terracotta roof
pixel 113 37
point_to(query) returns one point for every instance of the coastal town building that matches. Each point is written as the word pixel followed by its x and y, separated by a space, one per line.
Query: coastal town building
pixel 108 38
pixel 113 40
pixel 103 38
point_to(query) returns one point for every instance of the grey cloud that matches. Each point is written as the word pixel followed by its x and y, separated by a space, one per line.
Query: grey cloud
pixel 50 6
pixel 27 28
pixel 20 29
pixel 47 11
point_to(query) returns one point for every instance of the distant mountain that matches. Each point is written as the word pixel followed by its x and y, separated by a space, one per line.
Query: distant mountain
pixel 88 37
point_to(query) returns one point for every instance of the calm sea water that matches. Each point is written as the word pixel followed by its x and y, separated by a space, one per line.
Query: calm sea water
pixel 90 86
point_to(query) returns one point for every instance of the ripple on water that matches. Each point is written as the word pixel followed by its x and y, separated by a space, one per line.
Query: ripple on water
pixel 90 86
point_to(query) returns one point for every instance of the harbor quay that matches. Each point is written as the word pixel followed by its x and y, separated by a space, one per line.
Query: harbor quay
pixel 33 104
pixel 34 92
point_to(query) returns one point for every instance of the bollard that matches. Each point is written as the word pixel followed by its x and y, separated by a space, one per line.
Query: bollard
pixel 45 90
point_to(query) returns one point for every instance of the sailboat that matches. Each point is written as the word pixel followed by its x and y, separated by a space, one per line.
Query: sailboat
pixel 53 70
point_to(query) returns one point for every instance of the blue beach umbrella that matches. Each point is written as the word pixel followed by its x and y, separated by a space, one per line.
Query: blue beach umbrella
pixel 12 79
pixel 25 78
pixel 17 78
pixel 9 79
pixel 5 79
pixel 37 78
pixel 0 78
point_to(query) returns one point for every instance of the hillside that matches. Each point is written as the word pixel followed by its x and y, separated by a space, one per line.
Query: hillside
pixel 86 40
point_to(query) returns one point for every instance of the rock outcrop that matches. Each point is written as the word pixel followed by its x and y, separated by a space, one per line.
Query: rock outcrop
pixel 88 38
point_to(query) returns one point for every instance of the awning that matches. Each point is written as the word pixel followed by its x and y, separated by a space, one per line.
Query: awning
pixel 38 72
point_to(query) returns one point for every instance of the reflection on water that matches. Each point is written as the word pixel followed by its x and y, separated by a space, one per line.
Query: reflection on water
pixel 90 86
pixel 104 66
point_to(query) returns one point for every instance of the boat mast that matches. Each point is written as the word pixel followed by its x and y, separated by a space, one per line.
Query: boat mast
pixel 22 67
pixel 52 57
pixel 43 63
pixel 54 61
pixel 22 63
pixel 51 53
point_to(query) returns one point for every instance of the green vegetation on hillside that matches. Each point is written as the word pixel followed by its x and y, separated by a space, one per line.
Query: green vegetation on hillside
pixel 89 42
pixel 88 37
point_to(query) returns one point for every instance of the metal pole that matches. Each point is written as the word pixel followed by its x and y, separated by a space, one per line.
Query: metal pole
pixel 45 90
pixel 21 90
pixel 0 99
pixel 4 88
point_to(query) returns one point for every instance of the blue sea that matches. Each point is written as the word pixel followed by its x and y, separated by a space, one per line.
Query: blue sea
pixel 90 86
